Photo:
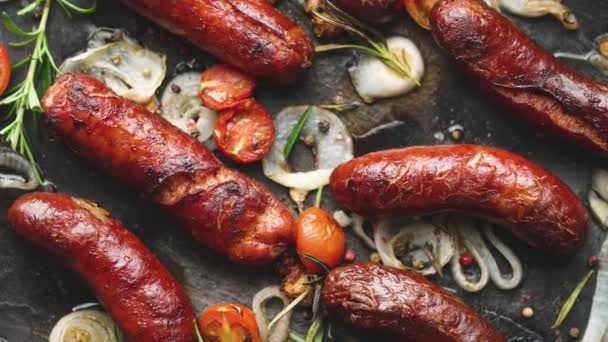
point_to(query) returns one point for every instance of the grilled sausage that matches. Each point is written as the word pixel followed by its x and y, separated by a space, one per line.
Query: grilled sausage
pixel 403 305
pixel 521 76
pixel 248 34
pixel 234 215
pixel 495 184
pixel 371 11
pixel 139 293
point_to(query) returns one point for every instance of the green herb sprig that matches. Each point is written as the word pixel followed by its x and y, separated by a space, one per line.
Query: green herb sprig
pixel 569 304
pixel 377 44
pixel 295 133
pixel 24 97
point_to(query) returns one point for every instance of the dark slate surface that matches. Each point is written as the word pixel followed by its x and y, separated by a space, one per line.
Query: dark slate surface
pixel 35 291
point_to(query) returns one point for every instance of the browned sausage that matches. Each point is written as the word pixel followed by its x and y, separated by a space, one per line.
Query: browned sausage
pixel 402 304
pixel 139 293
pixel 520 75
pixel 234 215
pixel 495 184
pixel 371 11
pixel 248 34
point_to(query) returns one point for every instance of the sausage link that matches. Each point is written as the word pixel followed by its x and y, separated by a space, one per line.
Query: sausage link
pixel 248 34
pixel 488 182
pixel 403 305
pixel 234 215
pixel 520 75
pixel 139 293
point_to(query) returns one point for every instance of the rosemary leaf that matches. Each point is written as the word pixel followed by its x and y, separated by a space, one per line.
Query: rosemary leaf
pixel 569 304
pixel 23 43
pixel 199 338
pixel 68 6
pixel 29 8
pixel 315 261
pixel 319 197
pixel 295 337
pixel 295 133
pixel 313 331
pixel 13 28
pixel 288 308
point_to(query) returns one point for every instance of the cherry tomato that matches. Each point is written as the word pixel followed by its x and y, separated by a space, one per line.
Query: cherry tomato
pixel 229 323
pixel 223 87
pixel 420 11
pixel 244 133
pixel 320 236
pixel 5 69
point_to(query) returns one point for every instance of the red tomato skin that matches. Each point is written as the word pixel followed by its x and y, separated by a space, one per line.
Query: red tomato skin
pixel 245 133
pixel 5 69
pixel 319 235
pixel 241 321
pixel 224 87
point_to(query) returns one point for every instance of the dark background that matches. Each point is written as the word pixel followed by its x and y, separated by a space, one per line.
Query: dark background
pixel 35 291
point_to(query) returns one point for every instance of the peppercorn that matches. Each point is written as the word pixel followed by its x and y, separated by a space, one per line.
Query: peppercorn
pixel 466 259
pixel 574 332
pixel 456 134
pixel 309 141
pixel 176 89
pixel 593 261
pixel 375 257
pixel 116 59
pixel 323 126
pixel 349 256
pixel 418 263
pixel 527 312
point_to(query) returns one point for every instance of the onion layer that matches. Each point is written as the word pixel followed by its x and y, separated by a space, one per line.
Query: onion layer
pixel 333 147
pixel 597 328
pixel 85 325
pixel 280 330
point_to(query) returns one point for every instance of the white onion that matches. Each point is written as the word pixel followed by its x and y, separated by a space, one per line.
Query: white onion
pixel 537 8
pixel 333 148
pixel 599 208
pixel 280 330
pixel 498 279
pixel 85 325
pixel 359 231
pixel 185 110
pixel 342 218
pixel 20 173
pixel 127 68
pixel 465 232
pixel 597 327
pixel 373 80
pixel 419 235
pixel 599 182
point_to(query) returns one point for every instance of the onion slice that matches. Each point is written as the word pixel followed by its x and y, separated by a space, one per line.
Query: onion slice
pixel 597 327
pixel 185 110
pixel 280 331
pixel 127 68
pixel 373 80
pixel 85 325
pixel 464 231
pixel 497 277
pixel 539 8
pixel 334 146
pixel 425 242
pixel 358 222
pixel 599 208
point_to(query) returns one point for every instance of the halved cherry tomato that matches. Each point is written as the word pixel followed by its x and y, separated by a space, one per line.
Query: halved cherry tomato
pixel 229 323
pixel 420 11
pixel 223 87
pixel 244 133
pixel 320 236
pixel 5 69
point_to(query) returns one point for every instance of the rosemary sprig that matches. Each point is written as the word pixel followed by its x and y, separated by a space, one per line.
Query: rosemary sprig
pixel 199 338
pixel 569 304
pixel 295 133
pixel 24 97
pixel 377 44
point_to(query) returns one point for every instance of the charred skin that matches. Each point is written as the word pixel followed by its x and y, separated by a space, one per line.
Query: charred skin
pixel 403 305
pixel 482 181
pixel 248 34
pixel 139 293
pixel 371 11
pixel 520 75
pixel 228 212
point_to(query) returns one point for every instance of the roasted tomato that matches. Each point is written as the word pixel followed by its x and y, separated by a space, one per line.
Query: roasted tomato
pixel 244 133
pixel 229 323
pixel 320 236
pixel 5 69
pixel 223 87
pixel 420 11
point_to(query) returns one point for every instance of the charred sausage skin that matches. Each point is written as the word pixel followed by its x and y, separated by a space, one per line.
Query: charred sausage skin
pixel 520 75
pixel 139 293
pixel 248 34
pixel 402 304
pixel 228 212
pixel 492 183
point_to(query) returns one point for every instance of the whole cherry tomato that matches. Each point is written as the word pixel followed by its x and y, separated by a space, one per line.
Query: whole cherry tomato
pixel 5 69
pixel 223 87
pixel 420 11
pixel 320 236
pixel 229 323
pixel 244 133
